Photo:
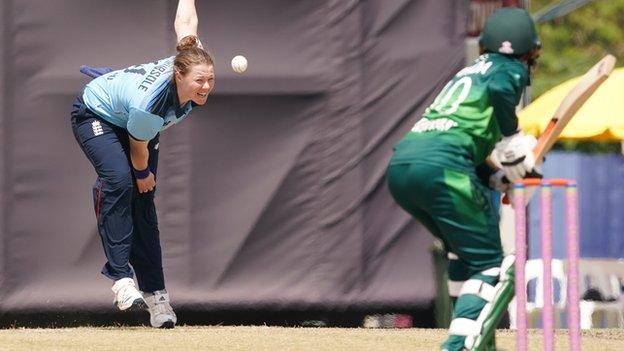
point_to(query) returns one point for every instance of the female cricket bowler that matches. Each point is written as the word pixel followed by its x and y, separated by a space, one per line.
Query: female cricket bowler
pixel 438 172
pixel 116 120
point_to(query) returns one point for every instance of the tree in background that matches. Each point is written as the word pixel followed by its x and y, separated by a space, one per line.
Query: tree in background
pixel 574 42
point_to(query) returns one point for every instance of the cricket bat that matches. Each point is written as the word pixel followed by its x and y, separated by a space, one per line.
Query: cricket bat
pixel 572 102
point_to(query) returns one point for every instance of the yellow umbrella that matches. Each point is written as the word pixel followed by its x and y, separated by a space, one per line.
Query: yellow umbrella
pixel 600 119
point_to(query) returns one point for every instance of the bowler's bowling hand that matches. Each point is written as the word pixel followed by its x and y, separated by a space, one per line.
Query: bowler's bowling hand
pixel 146 184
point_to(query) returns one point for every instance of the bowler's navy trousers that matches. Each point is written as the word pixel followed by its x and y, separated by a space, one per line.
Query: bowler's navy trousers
pixel 126 219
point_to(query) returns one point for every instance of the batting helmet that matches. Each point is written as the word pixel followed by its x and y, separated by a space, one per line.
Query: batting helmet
pixel 509 31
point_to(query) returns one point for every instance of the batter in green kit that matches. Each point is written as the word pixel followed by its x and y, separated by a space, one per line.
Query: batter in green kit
pixel 439 174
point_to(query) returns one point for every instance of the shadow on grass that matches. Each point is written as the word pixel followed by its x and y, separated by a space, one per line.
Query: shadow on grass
pixel 421 317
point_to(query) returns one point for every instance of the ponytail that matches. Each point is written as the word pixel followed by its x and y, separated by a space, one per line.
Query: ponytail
pixel 190 52
pixel 188 42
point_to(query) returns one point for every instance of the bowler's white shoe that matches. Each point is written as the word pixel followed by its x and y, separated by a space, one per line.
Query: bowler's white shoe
pixel 161 312
pixel 127 297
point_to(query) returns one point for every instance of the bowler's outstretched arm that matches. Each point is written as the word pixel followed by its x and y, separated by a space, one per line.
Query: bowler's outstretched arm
pixel 185 23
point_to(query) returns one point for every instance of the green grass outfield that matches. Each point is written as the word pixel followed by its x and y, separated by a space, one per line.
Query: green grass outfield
pixel 268 338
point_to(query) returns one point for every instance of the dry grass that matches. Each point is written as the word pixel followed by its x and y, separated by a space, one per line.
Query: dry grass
pixel 267 338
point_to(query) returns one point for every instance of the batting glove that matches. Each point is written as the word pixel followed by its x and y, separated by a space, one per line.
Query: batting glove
pixel 499 182
pixel 515 154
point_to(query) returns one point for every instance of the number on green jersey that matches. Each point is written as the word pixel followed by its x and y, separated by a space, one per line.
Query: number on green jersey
pixel 449 99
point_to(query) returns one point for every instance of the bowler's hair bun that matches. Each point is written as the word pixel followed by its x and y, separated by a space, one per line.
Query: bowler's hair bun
pixel 188 42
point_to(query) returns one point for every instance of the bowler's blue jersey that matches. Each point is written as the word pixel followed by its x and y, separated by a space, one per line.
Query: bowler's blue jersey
pixel 123 97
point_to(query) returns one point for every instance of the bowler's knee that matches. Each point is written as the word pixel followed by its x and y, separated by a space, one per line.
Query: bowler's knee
pixel 120 183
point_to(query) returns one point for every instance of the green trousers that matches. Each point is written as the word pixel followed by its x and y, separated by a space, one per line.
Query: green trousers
pixel 456 208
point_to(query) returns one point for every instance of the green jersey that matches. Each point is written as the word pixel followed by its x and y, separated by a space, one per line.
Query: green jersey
pixel 461 126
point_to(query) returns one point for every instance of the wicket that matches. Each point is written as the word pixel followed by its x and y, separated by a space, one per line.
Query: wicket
pixel 573 299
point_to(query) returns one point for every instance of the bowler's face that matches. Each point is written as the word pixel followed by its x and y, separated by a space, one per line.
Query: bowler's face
pixel 196 85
